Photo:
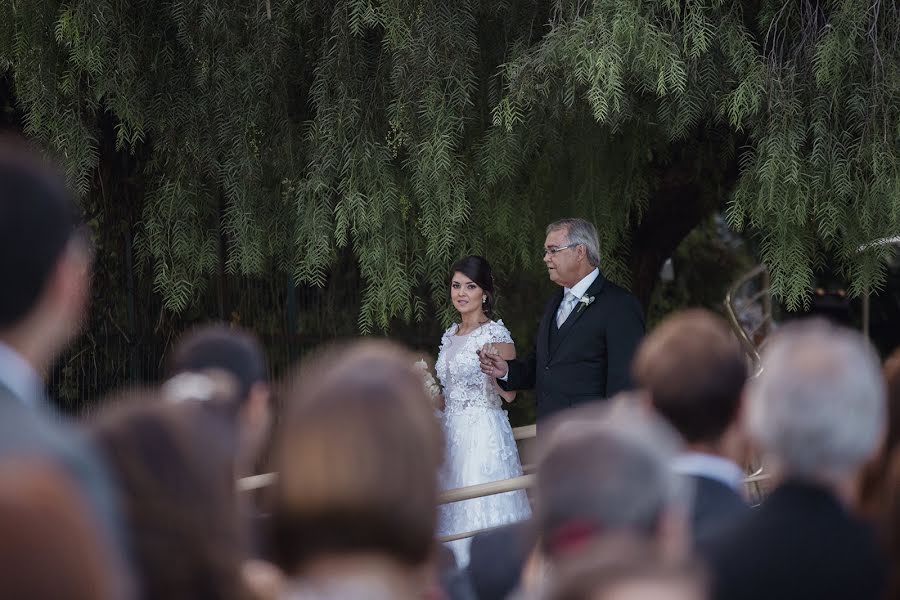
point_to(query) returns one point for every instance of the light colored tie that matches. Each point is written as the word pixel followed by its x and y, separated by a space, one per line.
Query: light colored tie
pixel 565 309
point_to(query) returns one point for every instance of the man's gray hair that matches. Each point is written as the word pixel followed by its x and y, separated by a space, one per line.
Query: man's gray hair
pixel 609 467
pixel 581 232
pixel 818 407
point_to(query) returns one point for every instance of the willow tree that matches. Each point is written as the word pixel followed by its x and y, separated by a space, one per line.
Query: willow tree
pixel 272 136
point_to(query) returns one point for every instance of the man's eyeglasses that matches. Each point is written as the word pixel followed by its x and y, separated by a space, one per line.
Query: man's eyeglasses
pixel 552 250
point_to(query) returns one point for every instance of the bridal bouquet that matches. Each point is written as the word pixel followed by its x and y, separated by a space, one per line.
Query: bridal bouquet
pixel 431 386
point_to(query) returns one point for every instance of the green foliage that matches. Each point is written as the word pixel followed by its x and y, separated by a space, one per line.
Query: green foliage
pixel 705 265
pixel 824 172
pixel 410 132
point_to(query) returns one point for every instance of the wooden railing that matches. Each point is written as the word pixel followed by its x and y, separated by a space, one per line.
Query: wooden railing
pixel 525 432
pixel 482 490
pixel 255 482
pixel 527 481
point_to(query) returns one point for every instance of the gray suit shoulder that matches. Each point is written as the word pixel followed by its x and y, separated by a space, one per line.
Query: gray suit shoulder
pixel 32 430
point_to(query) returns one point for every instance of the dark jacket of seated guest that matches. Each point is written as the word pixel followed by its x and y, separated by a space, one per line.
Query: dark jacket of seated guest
pixel 717 485
pixel 693 371
pixel 801 543
pixel 497 558
pixel 716 507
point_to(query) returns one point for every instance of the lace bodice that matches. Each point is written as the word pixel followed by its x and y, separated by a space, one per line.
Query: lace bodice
pixel 458 369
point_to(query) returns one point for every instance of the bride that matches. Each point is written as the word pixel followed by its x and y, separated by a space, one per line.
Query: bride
pixel 480 444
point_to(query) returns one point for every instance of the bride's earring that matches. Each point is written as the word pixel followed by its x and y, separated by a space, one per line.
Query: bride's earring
pixel 484 299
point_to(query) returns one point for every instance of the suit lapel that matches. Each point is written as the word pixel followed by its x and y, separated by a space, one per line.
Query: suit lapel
pixel 578 311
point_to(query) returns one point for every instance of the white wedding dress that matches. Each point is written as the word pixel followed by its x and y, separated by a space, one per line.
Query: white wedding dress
pixel 480 445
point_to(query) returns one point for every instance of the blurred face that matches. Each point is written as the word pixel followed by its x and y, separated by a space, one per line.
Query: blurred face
pixel 68 293
pixel 565 265
pixel 256 421
pixel 652 590
pixel 467 296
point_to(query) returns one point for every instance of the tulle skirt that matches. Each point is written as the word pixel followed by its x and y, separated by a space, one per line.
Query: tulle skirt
pixel 480 448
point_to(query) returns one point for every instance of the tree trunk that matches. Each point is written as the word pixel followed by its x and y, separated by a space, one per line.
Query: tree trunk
pixel 690 188
pixel 10 115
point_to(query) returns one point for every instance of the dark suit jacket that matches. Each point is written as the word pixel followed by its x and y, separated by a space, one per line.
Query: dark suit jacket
pixel 456 585
pixel 588 358
pixel 496 559
pixel 716 506
pixel 802 543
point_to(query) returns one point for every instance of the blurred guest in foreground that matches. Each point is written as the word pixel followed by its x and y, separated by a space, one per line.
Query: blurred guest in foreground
pixel 694 372
pixel 889 522
pixel 605 475
pixel 497 558
pixel 881 484
pixel 872 488
pixel 45 265
pixel 628 570
pixel 354 508
pixel 49 548
pixel 817 413
pixel 237 352
pixel 174 468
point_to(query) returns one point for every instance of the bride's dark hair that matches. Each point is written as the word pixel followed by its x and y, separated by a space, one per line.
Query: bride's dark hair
pixel 478 270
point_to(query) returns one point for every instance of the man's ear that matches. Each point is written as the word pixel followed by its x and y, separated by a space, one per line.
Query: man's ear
pixel 69 287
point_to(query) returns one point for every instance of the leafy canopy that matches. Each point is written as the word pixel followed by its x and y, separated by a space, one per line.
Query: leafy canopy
pixel 413 131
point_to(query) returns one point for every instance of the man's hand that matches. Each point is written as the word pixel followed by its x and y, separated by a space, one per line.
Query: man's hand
pixel 492 364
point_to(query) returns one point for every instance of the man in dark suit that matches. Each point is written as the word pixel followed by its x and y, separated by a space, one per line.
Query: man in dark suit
pixel 817 412
pixel 45 270
pixel 693 370
pixel 587 335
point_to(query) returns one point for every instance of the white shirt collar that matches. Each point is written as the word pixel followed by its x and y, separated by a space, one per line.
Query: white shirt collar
pixel 700 464
pixel 19 376
pixel 581 288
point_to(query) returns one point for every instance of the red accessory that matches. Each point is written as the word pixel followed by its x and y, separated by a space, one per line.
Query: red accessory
pixel 572 536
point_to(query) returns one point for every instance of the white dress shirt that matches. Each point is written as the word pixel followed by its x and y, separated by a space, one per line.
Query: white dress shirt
pixel 578 290
pixel 717 468
pixel 19 376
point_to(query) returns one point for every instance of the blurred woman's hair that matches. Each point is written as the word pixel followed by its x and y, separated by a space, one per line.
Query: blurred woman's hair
pixel 174 467
pixel 50 548
pixel 357 457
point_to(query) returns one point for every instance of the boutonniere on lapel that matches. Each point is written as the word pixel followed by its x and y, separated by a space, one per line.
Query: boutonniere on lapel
pixel 584 302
